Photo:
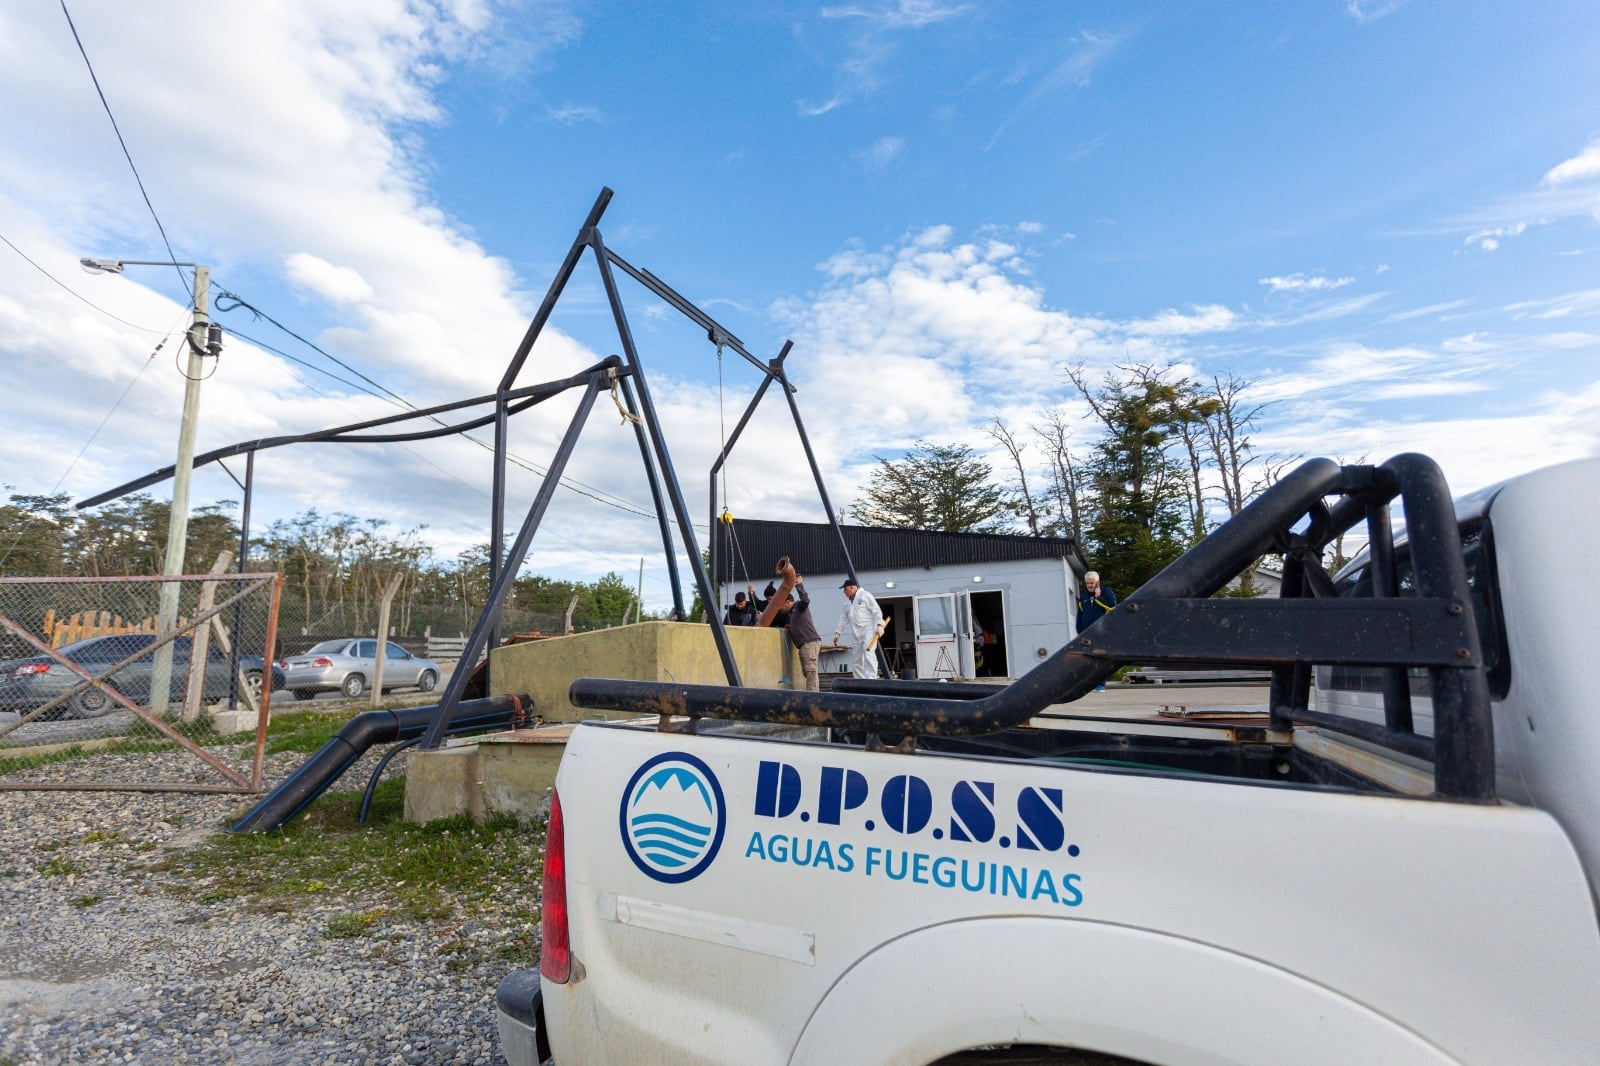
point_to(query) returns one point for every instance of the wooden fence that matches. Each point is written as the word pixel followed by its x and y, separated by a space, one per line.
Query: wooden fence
pixel 85 624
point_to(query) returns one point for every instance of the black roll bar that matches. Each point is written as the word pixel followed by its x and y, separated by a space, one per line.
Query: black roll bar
pixel 1172 619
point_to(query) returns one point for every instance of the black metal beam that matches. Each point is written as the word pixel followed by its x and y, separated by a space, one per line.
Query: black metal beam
pixel 647 411
pixel 678 612
pixel 557 285
pixel 714 330
pixel 489 620
pixel 529 396
pixel 722 457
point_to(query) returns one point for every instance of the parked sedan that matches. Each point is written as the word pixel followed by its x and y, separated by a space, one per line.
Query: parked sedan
pixel 36 680
pixel 348 665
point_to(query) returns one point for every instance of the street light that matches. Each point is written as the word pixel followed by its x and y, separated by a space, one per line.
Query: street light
pixel 203 340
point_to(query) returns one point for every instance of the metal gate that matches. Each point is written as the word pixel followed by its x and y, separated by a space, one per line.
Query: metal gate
pixel 137 683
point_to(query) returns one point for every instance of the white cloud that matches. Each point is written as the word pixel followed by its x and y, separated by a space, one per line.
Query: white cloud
pixel 333 283
pixel 810 110
pixel 884 150
pixel 1088 52
pixel 1431 309
pixel 1417 390
pixel 572 114
pixel 1371 10
pixel 1305 283
pixel 1488 239
pixel 311 185
pixel 1584 302
pixel 1585 166
pixel 905 14
pixel 1212 318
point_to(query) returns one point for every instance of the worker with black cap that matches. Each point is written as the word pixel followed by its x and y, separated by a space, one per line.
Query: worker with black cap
pixel 861 620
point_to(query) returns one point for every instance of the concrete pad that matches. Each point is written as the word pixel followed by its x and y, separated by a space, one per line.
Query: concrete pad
pixel 517 770
pixel 513 772
pixel 239 720
pixel 443 783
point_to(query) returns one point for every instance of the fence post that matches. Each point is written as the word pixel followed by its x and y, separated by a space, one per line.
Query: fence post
pixel 383 634
pixel 200 644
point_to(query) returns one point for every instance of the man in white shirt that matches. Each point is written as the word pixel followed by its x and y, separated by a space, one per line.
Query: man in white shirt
pixel 860 621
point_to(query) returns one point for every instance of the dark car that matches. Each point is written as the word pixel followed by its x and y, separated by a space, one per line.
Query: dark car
pixel 32 682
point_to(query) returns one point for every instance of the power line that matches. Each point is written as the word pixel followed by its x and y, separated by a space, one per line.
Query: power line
pixel 118 403
pixel 73 292
pixel 568 483
pixel 125 153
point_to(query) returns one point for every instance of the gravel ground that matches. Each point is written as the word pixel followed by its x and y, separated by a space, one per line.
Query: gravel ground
pixel 107 957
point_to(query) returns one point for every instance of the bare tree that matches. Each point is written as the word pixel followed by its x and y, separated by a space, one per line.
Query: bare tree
pixel 1066 477
pixel 1024 499
pixel 1229 429
pixel 1193 435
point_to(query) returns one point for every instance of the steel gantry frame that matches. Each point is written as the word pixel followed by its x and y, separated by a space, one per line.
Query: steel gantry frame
pixel 624 374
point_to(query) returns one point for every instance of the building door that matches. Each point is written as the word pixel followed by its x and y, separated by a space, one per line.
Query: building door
pixel 966 639
pixel 934 618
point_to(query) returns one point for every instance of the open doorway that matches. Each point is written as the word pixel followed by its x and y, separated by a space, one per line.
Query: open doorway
pixel 898 637
pixel 991 657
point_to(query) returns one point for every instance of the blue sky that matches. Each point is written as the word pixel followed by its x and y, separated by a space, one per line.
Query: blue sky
pixel 1384 215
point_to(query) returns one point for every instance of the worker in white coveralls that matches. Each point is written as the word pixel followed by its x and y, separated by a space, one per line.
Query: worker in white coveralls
pixel 860 621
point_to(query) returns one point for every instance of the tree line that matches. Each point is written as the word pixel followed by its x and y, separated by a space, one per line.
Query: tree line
pixel 1160 460
pixel 335 566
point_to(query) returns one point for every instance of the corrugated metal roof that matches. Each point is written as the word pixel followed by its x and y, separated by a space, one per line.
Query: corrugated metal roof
pixel 815 549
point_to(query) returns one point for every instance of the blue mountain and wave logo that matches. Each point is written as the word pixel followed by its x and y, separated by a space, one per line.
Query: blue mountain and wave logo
pixel 672 817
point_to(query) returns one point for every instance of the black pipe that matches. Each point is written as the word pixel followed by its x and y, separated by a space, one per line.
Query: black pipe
pixel 320 771
pixel 935 690
pixel 377 772
pixel 1462 728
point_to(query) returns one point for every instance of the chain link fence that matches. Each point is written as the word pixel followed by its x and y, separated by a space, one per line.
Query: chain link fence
pixel 165 682
pixel 435 630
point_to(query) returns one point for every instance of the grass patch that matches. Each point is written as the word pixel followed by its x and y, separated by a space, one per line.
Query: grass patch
pixel 85 901
pixel 389 871
pixel 307 731
pixel 60 867
pixel 303 731
pixel 351 926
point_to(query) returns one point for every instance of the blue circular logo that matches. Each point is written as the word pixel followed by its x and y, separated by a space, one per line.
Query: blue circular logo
pixel 672 817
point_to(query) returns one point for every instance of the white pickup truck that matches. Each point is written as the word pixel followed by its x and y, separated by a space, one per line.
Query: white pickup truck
pixel 1397 871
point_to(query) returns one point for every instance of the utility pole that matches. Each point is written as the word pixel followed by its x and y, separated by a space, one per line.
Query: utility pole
pixel 178 519
pixel 203 339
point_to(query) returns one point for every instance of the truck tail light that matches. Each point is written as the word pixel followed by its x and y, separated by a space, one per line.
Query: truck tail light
pixel 555 956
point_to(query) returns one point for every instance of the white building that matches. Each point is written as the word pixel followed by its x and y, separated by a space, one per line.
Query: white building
pixel 958 604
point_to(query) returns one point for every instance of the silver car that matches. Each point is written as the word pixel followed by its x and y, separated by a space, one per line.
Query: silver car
pixel 347 666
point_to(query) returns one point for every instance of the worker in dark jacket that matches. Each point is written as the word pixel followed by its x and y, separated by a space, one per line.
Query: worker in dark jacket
pixel 1094 601
pixel 741 612
pixel 803 635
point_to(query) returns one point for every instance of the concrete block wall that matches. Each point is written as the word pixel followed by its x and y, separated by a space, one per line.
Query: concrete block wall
pixel 648 651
